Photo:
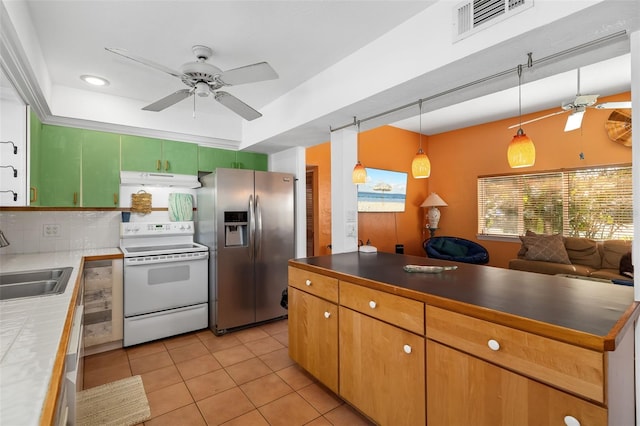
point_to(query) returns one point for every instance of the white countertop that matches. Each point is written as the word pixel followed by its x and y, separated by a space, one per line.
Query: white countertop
pixel 30 333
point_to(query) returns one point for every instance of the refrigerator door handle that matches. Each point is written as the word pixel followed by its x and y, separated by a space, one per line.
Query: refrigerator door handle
pixel 258 230
pixel 252 228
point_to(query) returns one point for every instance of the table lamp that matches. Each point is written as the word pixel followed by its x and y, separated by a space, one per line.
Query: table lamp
pixel 433 201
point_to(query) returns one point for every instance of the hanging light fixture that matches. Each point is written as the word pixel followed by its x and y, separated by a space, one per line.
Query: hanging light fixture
pixel 359 174
pixel 420 166
pixel 521 151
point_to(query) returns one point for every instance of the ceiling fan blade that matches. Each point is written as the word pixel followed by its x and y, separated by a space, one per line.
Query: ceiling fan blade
pixel 614 105
pixel 574 121
pixel 167 101
pixel 236 105
pixel 249 74
pixel 536 119
pixel 126 54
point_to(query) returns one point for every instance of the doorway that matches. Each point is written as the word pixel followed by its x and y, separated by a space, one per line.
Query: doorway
pixel 312 209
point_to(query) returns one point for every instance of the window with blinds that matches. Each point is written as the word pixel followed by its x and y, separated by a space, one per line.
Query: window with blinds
pixel 594 203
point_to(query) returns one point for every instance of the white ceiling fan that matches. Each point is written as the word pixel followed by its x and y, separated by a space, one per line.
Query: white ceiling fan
pixel 204 79
pixel 577 108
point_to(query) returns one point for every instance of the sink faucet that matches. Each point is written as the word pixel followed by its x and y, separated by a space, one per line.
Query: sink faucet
pixel 3 240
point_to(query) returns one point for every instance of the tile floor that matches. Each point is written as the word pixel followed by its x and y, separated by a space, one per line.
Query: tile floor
pixel 243 378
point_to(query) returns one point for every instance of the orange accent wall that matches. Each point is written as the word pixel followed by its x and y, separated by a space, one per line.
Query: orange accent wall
pixel 457 159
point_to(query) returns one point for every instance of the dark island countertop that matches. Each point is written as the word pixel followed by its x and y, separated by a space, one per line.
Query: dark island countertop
pixel 590 314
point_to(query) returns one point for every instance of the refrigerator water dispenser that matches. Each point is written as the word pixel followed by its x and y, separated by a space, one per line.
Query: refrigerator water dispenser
pixel 235 229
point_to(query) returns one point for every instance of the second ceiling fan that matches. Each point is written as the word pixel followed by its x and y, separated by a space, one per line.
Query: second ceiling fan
pixel 204 79
pixel 577 107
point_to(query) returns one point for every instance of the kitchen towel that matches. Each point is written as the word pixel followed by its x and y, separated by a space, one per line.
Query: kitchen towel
pixel 180 207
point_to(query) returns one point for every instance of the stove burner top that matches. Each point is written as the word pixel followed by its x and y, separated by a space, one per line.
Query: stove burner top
pixel 159 250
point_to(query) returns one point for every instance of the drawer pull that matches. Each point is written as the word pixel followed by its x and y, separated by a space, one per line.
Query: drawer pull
pixel 571 421
pixel 407 349
pixel 308 282
pixel 493 345
pixel 372 304
pixel 327 314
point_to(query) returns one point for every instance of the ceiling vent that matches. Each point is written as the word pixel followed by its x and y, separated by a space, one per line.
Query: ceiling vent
pixel 474 15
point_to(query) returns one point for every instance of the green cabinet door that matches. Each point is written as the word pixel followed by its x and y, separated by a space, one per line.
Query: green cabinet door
pixel 179 157
pixel 210 159
pixel 100 169
pixel 140 154
pixel 252 161
pixel 35 136
pixel 60 156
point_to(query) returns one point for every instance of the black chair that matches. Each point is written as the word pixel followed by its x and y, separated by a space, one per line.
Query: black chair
pixel 456 249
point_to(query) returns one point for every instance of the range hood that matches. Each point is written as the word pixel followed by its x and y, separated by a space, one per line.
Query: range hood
pixel 159 179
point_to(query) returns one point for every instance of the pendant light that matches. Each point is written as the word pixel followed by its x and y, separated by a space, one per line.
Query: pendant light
pixel 420 166
pixel 359 174
pixel 521 151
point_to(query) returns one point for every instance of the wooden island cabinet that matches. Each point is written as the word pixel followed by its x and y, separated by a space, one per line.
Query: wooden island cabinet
pixel 478 345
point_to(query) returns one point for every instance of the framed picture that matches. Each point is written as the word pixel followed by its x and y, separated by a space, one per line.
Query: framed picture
pixel 384 191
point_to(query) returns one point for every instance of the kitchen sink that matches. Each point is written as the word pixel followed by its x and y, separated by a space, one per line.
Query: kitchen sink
pixel 43 282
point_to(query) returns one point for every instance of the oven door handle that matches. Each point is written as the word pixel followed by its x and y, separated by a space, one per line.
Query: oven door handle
pixel 252 228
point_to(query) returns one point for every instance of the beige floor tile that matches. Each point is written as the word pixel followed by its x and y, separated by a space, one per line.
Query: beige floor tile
pixel 189 415
pixel 266 389
pixel 344 415
pixel 295 377
pixel 225 406
pixel 249 334
pixel 290 410
pixel 100 376
pixel 209 384
pixel 151 362
pixel 264 345
pixel 217 343
pixel 198 366
pixel 321 398
pixel 106 359
pixel 248 370
pixel 277 360
pixel 160 378
pixel 181 340
pixel 188 351
pixel 252 418
pixel 145 349
pixel 234 355
pixel 167 399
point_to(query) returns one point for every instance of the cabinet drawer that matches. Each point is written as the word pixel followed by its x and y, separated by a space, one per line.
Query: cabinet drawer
pixel 565 366
pixel 325 287
pixel 396 310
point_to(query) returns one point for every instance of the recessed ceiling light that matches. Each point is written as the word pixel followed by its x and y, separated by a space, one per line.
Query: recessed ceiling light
pixel 94 81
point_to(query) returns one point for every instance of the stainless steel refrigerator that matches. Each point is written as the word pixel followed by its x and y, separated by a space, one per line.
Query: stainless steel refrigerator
pixel 246 218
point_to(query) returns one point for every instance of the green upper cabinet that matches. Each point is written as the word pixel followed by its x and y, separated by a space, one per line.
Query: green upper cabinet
pixel 252 160
pixel 60 155
pixel 210 159
pixel 100 169
pixel 142 154
pixel 35 136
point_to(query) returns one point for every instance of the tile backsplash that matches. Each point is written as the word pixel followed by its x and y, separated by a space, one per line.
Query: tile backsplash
pixel 47 231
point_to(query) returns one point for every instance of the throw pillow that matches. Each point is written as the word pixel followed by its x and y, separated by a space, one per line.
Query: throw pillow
pixel 523 247
pixel 583 251
pixel 546 248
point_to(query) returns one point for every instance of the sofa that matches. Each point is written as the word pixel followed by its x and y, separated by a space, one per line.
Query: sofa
pixel 574 256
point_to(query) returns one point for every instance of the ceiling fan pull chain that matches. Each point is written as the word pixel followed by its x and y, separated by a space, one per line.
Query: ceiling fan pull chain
pixel 194 107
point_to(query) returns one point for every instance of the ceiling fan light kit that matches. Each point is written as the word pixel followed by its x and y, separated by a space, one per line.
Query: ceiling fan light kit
pixel 204 79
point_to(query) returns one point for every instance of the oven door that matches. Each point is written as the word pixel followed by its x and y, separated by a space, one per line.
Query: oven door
pixel 151 286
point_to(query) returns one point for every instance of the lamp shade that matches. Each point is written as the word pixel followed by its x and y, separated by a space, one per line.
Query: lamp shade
pixel 433 200
pixel 521 151
pixel 359 174
pixel 421 166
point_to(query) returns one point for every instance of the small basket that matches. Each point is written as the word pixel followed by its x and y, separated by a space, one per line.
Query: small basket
pixel 141 202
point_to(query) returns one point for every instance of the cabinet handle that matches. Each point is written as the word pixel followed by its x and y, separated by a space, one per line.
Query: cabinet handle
pixel 327 314
pixel 34 194
pixel 308 283
pixel 407 349
pixel 115 199
pixel 166 165
pixel 493 345
pixel 571 421
pixel 158 165
pixel 372 304
pixel 75 198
